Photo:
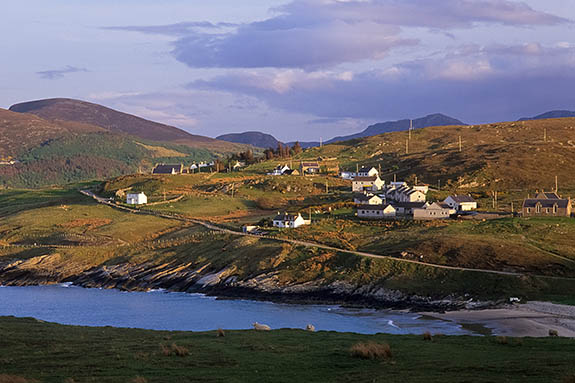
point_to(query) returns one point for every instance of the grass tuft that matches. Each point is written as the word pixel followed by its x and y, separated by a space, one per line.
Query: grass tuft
pixel 371 350
pixel 174 350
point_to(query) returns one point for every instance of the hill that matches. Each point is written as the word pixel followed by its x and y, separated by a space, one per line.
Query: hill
pixel 48 152
pixel 257 139
pixel 400 125
pixel 63 109
pixel 551 114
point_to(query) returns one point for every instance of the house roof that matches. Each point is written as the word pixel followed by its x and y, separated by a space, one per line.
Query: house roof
pixel 547 195
pixel 365 179
pixel 461 198
pixel 546 203
pixel 363 197
pixel 310 164
pixel 167 169
pixel 375 207
pixel 365 169
pixel 409 205
pixel 286 217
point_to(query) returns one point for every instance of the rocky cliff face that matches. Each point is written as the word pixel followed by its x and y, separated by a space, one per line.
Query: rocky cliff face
pixel 51 269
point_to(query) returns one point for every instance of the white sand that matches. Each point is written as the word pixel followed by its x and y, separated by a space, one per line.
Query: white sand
pixel 533 319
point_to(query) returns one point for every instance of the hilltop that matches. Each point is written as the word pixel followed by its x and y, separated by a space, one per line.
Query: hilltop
pixel 48 152
pixel 64 109
pixel 257 139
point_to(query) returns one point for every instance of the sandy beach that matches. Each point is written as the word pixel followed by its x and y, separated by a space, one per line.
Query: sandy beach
pixel 533 319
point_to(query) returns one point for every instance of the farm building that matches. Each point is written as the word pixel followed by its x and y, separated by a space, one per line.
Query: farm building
pixel 376 211
pixel 136 199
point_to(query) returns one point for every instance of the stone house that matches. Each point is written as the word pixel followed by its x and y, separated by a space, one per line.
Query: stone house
pixel 547 205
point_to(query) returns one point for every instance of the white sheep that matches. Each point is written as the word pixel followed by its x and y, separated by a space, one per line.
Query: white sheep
pixel 310 328
pixel 261 327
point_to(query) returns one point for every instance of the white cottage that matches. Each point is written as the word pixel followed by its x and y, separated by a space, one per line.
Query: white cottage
pixel 367 172
pixel 367 199
pixel 361 184
pixel 136 199
pixel 461 202
pixel 290 221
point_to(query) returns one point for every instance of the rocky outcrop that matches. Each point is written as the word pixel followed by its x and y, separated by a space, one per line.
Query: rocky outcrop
pixel 225 282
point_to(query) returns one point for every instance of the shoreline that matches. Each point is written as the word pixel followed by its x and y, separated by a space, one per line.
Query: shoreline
pixel 530 319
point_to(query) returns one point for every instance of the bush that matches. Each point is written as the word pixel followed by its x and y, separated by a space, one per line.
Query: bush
pixel 427 336
pixel 502 340
pixel 371 351
pixel 174 350
pixel 221 333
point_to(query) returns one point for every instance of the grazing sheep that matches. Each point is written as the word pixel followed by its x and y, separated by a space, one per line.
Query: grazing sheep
pixel 553 333
pixel 261 327
pixel 310 328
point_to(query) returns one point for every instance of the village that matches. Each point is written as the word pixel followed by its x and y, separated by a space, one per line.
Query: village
pixel 372 197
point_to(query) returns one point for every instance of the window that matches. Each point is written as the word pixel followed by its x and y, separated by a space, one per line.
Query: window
pixel 538 209
pixel 555 209
pixel 528 210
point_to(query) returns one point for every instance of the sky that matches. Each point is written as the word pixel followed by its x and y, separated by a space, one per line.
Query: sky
pixel 297 69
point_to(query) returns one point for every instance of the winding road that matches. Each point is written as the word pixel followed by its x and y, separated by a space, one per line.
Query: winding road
pixel 211 226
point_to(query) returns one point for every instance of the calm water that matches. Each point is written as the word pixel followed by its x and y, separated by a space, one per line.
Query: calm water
pixel 194 312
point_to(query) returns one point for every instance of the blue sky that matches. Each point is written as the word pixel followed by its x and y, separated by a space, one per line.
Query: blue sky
pixel 300 69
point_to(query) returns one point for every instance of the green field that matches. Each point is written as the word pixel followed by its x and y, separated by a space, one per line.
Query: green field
pixel 50 353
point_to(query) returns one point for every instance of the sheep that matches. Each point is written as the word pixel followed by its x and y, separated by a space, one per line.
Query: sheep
pixel 310 328
pixel 261 327
pixel 553 333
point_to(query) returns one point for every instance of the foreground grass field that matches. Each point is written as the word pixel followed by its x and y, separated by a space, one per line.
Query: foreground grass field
pixel 52 353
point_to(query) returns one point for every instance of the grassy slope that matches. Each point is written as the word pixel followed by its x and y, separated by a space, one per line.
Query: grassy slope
pixel 95 235
pixel 53 353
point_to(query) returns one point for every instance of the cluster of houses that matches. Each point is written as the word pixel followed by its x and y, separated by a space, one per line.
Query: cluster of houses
pixel 305 168
pixel 376 200
pixel 181 169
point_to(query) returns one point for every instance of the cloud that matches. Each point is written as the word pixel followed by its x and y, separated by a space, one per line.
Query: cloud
pixel 59 73
pixel 178 29
pixel 312 34
pixel 473 83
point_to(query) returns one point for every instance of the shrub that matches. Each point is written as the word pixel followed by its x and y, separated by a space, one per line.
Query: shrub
pixel 502 340
pixel 371 350
pixel 221 333
pixel 427 336
pixel 174 350
pixel 4 378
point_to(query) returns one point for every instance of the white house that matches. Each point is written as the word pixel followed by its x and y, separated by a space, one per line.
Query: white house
pixel 366 199
pixel 279 170
pixel 361 184
pixel 136 199
pixel 461 202
pixel 290 221
pixel 367 172
pixel 376 211
pixel 413 195
pixel 348 175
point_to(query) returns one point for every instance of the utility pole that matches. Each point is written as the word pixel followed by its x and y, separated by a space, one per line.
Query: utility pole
pixel 460 144
pixel 415 181
pixel 545 135
pixel 410 127
pixel 232 190
pixel 356 169
pixel 379 168
pixel 326 187
pixel 439 185
pixel 320 142
pixel 556 184
pixel 512 209
pixel 407 146
pixel 394 177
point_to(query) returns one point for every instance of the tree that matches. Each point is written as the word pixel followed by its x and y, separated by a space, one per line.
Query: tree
pixel 296 148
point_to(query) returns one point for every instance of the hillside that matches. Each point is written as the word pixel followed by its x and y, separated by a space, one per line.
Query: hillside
pixel 400 125
pixel 551 114
pixel 257 139
pixel 503 156
pixel 48 152
pixel 63 109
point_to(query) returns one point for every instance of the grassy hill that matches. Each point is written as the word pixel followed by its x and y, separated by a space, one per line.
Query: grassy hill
pixel 52 152
pixel 84 354
pixel 505 156
pixel 63 109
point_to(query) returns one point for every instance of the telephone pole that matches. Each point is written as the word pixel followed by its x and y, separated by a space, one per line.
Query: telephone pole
pixel 407 146
pixel 326 187
pixel 545 135
pixel 460 144
pixel 556 184
pixel 410 127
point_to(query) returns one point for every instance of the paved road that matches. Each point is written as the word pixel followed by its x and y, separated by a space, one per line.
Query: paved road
pixel 214 227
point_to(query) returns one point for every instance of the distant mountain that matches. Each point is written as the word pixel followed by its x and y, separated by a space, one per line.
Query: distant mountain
pixel 551 114
pixel 257 139
pixel 64 109
pixel 395 126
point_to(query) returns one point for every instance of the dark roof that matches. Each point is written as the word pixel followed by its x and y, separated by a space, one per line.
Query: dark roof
pixel 365 170
pixel 408 205
pixel 462 198
pixel 546 203
pixel 547 195
pixel 365 179
pixel 286 217
pixel 167 169
pixel 374 207
pixel 310 164
pixel 363 197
